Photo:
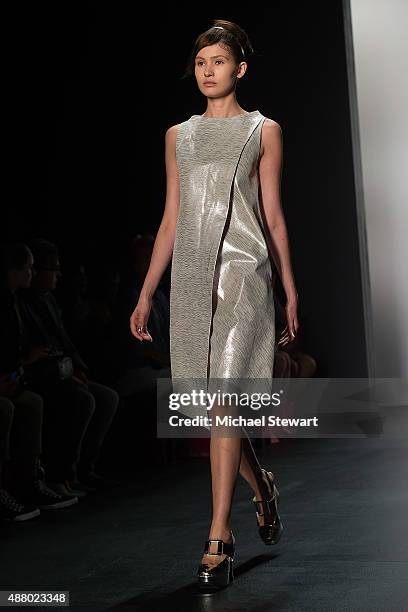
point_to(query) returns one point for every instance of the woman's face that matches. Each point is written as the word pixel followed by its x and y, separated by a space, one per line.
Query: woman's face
pixel 21 278
pixel 216 71
pixel 46 279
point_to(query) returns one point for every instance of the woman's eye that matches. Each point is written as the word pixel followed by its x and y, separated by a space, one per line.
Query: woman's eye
pixel 200 63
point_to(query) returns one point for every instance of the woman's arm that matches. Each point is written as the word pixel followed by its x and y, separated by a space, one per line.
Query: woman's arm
pixel 164 243
pixel 270 171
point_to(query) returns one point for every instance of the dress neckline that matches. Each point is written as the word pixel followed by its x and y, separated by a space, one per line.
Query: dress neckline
pixel 241 115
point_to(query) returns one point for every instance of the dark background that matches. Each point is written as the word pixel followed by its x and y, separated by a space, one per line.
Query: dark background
pixel 93 89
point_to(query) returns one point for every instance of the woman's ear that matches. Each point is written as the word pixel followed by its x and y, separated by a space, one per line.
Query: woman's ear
pixel 242 67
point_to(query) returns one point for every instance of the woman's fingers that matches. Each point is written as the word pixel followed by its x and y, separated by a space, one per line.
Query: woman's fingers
pixel 294 326
pixel 139 329
pixel 133 328
pixel 136 327
pixel 293 323
pixel 139 319
pixel 288 334
pixel 145 334
pixel 284 339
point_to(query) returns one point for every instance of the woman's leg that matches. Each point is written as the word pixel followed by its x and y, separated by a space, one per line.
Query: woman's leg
pixel 229 456
pixel 251 470
pixel 6 420
pixel 106 405
pixel 25 444
pixel 225 457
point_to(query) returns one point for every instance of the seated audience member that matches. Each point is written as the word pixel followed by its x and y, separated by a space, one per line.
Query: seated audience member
pixel 22 490
pixel 144 362
pixel 78 411
pixel 72 296
pixel 296 363
pixel 290 361
pixel 95 334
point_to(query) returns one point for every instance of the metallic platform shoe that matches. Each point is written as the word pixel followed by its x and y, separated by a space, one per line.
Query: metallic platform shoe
pixel 212 579
pixel 269 533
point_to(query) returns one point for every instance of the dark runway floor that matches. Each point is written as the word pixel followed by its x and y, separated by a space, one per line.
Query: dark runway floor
pixel 345 547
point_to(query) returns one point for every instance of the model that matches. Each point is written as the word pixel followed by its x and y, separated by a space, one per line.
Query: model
pixel 222 217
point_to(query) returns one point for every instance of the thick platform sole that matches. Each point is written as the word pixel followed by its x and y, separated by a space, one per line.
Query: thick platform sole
pixel 209 586
pixel 276 538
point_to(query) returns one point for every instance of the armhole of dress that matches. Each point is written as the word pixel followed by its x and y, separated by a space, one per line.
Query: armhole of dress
pixel 262 122
pixel 259 212
pixel 178 140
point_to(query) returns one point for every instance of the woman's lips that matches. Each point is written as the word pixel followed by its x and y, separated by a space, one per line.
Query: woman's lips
pixel 209 84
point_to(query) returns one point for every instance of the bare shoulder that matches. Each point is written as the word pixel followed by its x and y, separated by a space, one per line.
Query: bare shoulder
pixel 271 134
pixel 270 125
pixel 171 133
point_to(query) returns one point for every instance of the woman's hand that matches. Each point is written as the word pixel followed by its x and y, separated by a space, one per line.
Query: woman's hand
pixel 139 318
pixel 80 377
pixel 35 354
pixel 289 332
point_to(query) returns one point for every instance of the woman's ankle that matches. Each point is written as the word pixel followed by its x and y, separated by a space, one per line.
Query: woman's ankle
pixel 263 491
pixel 223 533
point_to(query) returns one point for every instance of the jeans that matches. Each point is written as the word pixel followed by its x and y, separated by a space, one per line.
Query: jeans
pixel 21 418
pixel 77 418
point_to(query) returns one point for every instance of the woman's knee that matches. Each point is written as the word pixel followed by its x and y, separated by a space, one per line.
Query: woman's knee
pixel 29 403
pixel 281 364
pixel 105 395
pixel 85 401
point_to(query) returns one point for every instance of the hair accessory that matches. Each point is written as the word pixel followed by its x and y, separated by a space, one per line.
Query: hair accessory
pixel 222 28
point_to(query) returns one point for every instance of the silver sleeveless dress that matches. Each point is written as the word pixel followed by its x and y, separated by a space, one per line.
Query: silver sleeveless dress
pixel 222 319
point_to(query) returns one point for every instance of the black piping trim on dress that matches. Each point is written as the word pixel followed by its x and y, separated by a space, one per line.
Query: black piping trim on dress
pixel 258 207
pixel 227 218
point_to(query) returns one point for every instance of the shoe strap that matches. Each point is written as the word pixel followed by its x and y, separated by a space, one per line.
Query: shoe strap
pixel 226 548
pixel 260 504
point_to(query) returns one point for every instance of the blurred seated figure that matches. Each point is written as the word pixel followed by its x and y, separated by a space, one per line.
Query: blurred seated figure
pixel 78 411
pixel 23 492
pixel 143 362
pixel 95 334
pixel 72 296
pixel 22 489
pixel 291 360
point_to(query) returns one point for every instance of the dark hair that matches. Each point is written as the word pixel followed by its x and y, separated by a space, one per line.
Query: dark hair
pixel 45 253
pixel 14 256
pixel 231 36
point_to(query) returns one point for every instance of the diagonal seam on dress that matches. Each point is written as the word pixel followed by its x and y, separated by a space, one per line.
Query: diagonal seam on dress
pixel 216 158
